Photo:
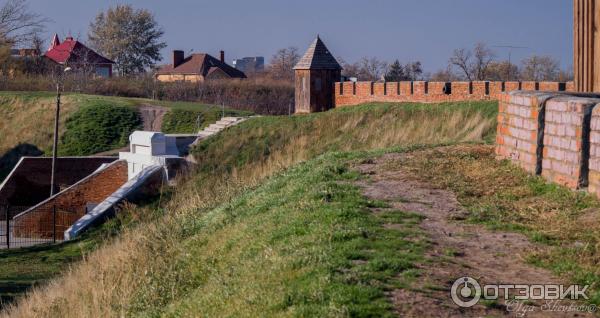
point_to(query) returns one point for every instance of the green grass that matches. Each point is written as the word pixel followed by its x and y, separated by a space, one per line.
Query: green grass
pixel 300 243
pixel 97 128
pixel 362 127
pixel 26 267
pixel 303 244
pixel 89 123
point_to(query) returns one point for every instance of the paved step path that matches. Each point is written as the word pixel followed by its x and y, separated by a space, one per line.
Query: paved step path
pixel 213 129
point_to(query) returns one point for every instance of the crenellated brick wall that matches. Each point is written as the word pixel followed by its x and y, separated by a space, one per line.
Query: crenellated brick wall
pixel 70 204
pixel 556 135
pixel 354 93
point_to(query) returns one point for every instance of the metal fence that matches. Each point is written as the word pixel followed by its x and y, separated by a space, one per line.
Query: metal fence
pixel 41 226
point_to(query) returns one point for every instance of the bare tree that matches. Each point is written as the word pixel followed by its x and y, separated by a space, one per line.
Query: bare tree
pixel 540 68
pixel 17 23
pixel 502 71
pixel 348 70
pixel 282 63
pixel 461 58
pixel 482 56
pixel 473 64
pixel 444 75
pixel 371 69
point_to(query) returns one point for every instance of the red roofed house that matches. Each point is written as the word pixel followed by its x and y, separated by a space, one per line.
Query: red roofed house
pixel 74 54
pixel 197 68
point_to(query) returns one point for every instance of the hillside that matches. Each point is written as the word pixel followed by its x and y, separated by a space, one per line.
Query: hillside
pixel 361 211
pixel 252 222
pixel 89 124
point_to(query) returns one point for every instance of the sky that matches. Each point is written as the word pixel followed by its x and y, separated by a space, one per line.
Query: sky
pixel 408 30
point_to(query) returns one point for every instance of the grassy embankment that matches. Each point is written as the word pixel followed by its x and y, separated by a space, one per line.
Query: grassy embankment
pixel 89 124
pixel 246 236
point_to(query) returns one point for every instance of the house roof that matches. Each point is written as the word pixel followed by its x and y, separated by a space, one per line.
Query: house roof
pixel 317 57
pixel 73 51
pixel 200 64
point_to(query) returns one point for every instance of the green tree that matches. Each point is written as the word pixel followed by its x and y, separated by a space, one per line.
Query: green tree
pixel 128 36
pixel 395 73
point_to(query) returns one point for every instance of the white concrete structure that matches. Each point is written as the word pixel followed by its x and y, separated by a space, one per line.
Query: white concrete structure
pixel 148 148
pixel 106 208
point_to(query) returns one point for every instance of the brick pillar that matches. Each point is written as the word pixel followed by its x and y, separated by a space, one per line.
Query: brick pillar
pixel 594 160
pixel 566 138
pixel 520 129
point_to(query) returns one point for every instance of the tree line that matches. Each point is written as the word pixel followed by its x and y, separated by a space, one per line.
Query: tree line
pixel 480 63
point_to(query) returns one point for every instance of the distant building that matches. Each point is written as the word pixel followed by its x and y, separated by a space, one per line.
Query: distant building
pixel 74 54
pixel 197 67
pixel 24 53
pixel 248 65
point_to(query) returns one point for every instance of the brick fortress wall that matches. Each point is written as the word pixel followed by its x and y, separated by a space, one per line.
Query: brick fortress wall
pixel 354 93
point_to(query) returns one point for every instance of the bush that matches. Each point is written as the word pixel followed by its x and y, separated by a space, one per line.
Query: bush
pixel 259 95
pixel 98 128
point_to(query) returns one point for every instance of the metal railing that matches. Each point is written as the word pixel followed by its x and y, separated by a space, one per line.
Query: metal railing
pixel 40 226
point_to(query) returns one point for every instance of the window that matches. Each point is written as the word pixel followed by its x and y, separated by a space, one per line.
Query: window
pixel 102 71
pixel 317 84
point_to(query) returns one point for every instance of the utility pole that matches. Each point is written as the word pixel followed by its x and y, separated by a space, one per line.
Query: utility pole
pixel 510 48
pixel 56 122
pixel 55 144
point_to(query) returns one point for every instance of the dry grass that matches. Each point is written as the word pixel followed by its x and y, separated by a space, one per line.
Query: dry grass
pixel 504 197
pixel 30 120
pixel 143 267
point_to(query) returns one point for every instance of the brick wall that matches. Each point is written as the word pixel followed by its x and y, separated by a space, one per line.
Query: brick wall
pixel 29 182
pixel 519 117
pixel 564 158
pixel 552 134
pixel 594 160
pixel 70 204
pixel 353 93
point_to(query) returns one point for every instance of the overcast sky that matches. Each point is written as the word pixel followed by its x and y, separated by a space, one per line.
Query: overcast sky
pixel 425 30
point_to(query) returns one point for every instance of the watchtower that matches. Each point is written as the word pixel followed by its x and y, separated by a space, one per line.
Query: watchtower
pixel 316 74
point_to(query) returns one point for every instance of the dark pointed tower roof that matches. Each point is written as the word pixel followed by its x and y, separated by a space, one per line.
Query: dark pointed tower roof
pixel 55 42
pixel 317 57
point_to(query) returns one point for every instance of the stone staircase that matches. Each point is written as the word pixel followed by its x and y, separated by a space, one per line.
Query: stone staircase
pixel 213 129
pixel 219 126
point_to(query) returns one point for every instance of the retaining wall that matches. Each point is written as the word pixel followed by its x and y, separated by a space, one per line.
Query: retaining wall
pixel 29 182
pixel 70 203
pixel 551 134
pixel 353 93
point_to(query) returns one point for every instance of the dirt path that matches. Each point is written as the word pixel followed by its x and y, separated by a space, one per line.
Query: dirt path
pixel 152 116
pixel 457 250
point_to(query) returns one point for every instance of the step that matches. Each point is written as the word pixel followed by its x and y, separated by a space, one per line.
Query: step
pixel 205 133
pixel 212 129
pixel 219 125
pixel 231 119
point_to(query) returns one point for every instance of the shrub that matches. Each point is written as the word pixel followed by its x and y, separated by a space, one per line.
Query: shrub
pixel 259 95
pixel 98 128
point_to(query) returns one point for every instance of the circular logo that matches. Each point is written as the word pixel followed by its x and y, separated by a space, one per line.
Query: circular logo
pixel 465 292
